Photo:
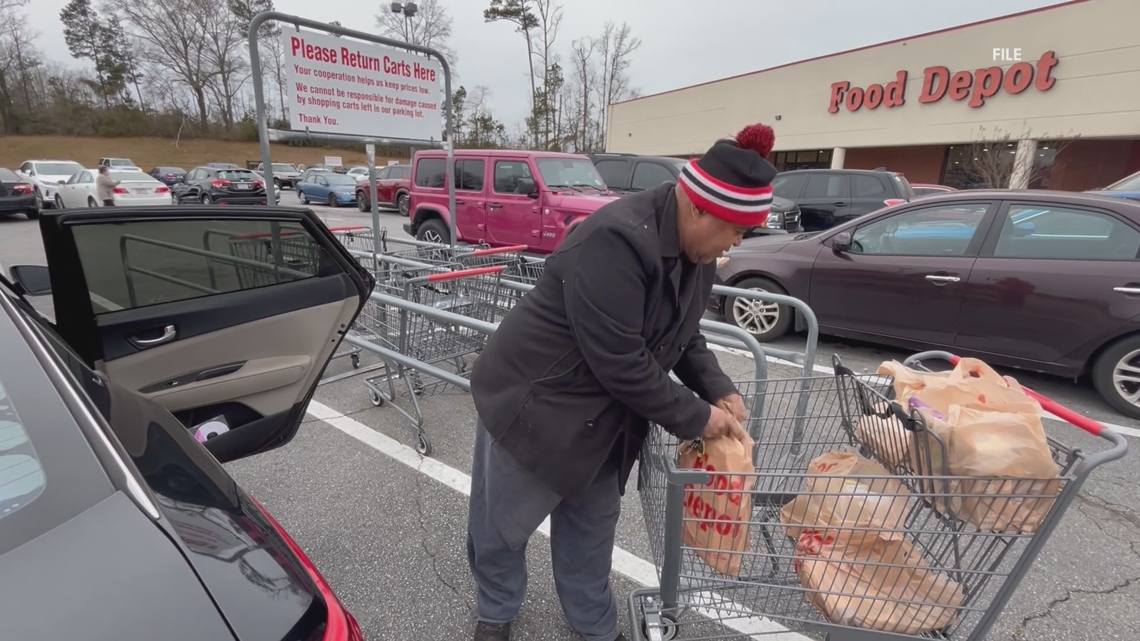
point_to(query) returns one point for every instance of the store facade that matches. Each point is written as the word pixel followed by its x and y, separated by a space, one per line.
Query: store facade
pixel 1048 98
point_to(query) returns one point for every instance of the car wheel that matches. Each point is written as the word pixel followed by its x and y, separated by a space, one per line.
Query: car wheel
pixel 1116 375
pixel 361 201
pixel 332 200
pixel 434 231
pixel 276 184
pixel 58 202
pixel 206 200
pixel 402 204
pixel 764 320
pixel 91 202
pixel 302 197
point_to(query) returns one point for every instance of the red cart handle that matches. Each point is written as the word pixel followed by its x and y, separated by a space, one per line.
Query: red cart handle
pixel 347 228
pixel 499 250
pixel 465 273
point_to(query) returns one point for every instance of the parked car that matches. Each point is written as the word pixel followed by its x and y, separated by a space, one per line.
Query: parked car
pixel 119 163
pixel 311 171
pixel 17 196
pixel 923 189
pixel 167 175
pixel 284 174
pixel 46 177
pixel 1047 281
pixel 393 184
pixel 358 172
pixel 328 188
pixel 830 197
pixel 630 173
pixel 222 165
pixel 1128 187
pixel 135 189
pixel 207 185
pixel 115 481
pixel 505 197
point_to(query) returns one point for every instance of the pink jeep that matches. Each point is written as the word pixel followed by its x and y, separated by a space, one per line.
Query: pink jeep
pixel 531 198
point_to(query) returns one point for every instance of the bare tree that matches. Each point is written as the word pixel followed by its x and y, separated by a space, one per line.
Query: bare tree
pixel 521 14
pixel 548 16
pixel 995 159
pixel 21 55
pixel 225 40
pixel 616 46
pixel 430 27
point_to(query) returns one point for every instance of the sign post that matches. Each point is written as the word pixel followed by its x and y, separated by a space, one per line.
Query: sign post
pixel 370 152
pixel 374 92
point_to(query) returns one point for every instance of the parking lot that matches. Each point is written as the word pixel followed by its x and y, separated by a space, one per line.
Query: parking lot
pixel 387 527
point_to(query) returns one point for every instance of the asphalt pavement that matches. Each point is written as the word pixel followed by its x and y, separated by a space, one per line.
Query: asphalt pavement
pixel 387 527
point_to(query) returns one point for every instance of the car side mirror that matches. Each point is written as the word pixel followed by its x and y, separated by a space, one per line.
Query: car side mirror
pixel 841 242
pixel 35 280
pixel 526 186
pixel 63 182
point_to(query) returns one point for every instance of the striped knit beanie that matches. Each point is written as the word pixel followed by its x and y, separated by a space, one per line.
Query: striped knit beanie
pixel 733 180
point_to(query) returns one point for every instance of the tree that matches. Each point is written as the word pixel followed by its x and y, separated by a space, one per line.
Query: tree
pixel 458 105
pixel 430 27
pixel 483 131
pixel 225 48
pixel 998 160
pixel 615 46
pixel 269 37
pixel 521 14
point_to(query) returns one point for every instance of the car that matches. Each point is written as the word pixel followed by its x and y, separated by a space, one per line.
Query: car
pixel 207 185
pixel 357 172
pixel 631 173
pixel 923 189
pixel 119 163
pixel 505 198
pixel 1047 281
pixel 328 188
pixel 135 189
pixel 46 176
pixel 1127 187
pixel 393 184
pixel 830 197
pixel 311 171
pixel 104 415
pixel 167 175
pixel 284 174
pixel 17 196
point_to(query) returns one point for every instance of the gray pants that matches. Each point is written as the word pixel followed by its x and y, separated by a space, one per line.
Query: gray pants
pixel 507 505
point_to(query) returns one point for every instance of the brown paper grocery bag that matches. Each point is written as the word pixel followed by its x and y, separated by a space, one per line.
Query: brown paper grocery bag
pixel 887 437
pixel 717 514
pixel 972 383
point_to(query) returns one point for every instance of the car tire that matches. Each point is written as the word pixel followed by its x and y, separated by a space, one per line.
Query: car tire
pixel 361 201
pixel 402 202
pixel 332 200
pixel 1122 393
pixel 765 321
pixel 302 197
pixel 39 200
pixel 276 185
pixel 206 200
pixel 58 202
pixel 434 231
pixel 91 202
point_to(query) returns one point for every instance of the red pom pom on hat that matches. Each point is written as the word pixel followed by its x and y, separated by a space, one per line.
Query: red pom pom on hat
pixel 759 138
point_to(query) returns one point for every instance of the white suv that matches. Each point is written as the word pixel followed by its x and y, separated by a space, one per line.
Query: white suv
pixel 120 164
pixel 46 177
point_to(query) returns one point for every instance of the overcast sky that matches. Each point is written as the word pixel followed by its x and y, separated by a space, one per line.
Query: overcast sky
pixel 681 44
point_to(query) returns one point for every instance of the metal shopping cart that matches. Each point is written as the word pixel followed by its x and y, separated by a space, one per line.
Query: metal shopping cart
pixel 693 601
pixel 419 335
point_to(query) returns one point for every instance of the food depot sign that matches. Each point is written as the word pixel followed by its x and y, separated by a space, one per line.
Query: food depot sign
pixel 343 86
pixel 939 83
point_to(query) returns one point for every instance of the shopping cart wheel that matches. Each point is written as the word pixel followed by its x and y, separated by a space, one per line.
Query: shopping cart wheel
pixel 423 445
pixel 355 361
pixel 375 397
pixel 666 632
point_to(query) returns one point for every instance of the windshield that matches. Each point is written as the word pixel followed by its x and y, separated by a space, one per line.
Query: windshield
pixel 277 167
pixel 569 172
pixel 340 180
pixel 237 174
pixel 1131 183
pixel 131 175
pixel 58 168
pixel 121 162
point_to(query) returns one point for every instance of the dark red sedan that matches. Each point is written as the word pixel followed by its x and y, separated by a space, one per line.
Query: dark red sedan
pixel 392 186
pixel 1040 280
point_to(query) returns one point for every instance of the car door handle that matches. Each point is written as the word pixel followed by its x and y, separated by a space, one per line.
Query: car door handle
pixel 461 202
pixel 936 278
pixel 1127 290
pixel 495 206
pixel 839 203
pixel 168 334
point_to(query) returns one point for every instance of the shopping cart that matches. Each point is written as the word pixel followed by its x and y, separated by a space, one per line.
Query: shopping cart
pixel 419 335
pixel 767 597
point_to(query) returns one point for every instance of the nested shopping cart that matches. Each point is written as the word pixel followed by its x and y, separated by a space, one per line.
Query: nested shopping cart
pixel 793 422
pixel 416 333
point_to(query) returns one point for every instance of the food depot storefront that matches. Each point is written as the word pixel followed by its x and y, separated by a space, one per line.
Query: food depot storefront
pixel 1056 89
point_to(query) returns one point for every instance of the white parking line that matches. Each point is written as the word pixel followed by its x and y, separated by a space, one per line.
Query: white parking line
pixel 624 562
pixel 827 371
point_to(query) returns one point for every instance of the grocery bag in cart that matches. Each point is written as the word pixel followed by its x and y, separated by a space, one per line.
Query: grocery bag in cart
pixel 980 425
pixel 854 557
pixel 717 514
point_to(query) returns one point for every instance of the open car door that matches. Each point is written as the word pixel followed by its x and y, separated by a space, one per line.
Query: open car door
pixel 212 312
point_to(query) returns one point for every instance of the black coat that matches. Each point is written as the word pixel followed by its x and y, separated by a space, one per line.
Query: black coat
pixel 576 370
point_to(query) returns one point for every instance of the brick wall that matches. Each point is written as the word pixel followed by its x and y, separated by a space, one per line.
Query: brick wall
pixel 920 164
pixel 1090 164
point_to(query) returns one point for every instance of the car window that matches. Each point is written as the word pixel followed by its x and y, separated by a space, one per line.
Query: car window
pixel 130 175
pixel 405 173
pixel 788 185
pixel 339 179
pixel 826 186
pixel 867 187
pixel 86 177
pixel 58 168
pixel 569 172
pixel 381 174
pixel 940 230
pixel 613 171
pixel 431 173
pixel 647 175
pixel 469 174
pixel 1036 231
pixel 904 186
pixel 135 264
pixel 8 176
pixel 1129 183
pixel 26 167
pixel 320 180
pixel 21 474
pixel 508 173
pixel 237 174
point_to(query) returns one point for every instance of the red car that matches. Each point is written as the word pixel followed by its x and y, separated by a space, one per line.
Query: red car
pixel 923 189
pixel 1046 281
pixel 392 186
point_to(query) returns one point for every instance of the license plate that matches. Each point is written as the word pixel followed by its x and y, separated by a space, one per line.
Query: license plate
pixel 242 186
pixel 142 191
